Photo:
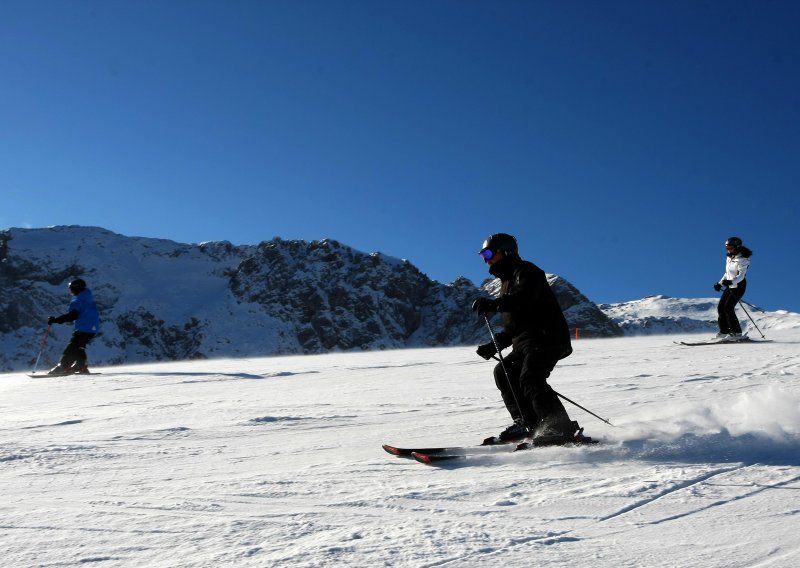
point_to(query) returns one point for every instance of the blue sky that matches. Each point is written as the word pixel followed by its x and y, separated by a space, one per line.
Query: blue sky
pixel 620 141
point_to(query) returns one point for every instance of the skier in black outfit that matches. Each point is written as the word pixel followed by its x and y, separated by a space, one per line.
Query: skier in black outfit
pixel 735 284
pixel 536 329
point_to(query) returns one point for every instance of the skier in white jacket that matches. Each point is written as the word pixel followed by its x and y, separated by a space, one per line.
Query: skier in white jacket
pixel 735 284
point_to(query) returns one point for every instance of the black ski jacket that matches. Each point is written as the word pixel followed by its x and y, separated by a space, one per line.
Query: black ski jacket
pixel 529 309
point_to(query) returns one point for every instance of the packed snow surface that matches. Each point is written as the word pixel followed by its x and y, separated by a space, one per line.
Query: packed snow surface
pixel 278 462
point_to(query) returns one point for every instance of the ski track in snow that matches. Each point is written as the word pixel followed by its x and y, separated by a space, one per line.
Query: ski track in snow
pixel 277 462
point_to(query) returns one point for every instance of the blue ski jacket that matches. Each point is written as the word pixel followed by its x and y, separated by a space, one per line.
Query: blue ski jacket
pixel 83 311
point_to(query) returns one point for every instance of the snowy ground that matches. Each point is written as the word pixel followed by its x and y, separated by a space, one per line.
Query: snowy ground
pixel 277 462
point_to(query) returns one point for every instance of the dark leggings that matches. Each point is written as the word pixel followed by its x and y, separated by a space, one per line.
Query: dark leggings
pixel 75 351
pixel 726 309
pixel 528 369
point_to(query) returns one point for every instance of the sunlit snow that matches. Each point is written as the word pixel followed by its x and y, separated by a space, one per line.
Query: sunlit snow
pixel 278 462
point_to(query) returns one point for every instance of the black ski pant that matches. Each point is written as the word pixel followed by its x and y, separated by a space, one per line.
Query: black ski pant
pixel 726 309
pixel 526 394
pixel 75 351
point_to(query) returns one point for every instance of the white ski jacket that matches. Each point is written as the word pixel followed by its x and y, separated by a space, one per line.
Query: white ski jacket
pixel 735 269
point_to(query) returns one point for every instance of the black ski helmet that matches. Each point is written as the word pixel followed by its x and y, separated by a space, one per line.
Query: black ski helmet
pixel 77 286
pixel 500 242
pixel 733 242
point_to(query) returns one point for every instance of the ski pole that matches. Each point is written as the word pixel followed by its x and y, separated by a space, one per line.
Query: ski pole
pixel 582 408
pixel 41 349
pixel 753 307
pixel 739 301
pixel 502 362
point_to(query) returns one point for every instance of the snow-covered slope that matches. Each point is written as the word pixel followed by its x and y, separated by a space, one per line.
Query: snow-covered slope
pixel 277 462
pixel 162 300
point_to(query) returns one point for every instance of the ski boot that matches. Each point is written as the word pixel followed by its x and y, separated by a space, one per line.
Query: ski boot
pixel 556 433
pixel 60 371
pixel 513 433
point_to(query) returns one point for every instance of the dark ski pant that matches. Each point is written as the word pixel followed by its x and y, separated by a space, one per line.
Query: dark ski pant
pixel 726 309
pixel 75 351
pixel 528 369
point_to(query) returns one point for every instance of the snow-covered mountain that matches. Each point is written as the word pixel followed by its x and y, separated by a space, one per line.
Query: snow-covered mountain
pixel 162 300
pixel 655 315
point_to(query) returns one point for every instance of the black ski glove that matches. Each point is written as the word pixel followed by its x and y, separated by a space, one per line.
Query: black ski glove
pixel 487 350
pixel 485 306
pixel 726 282
pixel 51 320
pixel 717 286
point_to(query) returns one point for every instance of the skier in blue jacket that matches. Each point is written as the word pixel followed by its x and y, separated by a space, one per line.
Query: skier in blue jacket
pixel 83 312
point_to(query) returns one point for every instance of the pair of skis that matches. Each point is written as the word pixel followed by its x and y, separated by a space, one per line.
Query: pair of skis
pixel 49 376
pixel 743 339
pixel 437 455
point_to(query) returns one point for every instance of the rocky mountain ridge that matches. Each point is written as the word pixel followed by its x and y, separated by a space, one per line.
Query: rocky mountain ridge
pixel 162 300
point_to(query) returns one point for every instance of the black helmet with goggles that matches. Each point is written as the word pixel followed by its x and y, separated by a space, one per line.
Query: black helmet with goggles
pixel 499 242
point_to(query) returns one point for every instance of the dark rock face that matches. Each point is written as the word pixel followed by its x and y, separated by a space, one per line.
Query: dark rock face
pixel 581 313
pixel 161 300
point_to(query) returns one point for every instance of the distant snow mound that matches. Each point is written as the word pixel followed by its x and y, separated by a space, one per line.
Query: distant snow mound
pixel 656 315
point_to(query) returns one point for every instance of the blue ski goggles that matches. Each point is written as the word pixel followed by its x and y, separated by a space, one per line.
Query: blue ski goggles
pixel 487 254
